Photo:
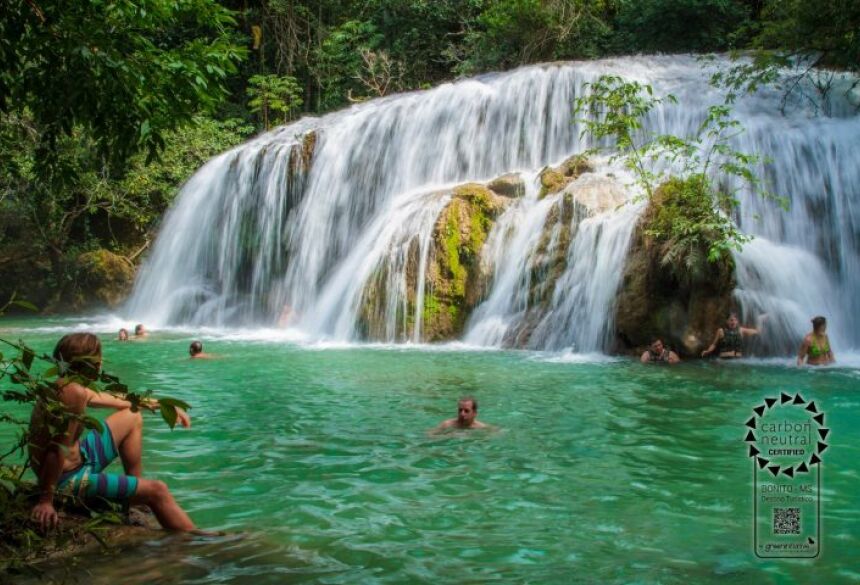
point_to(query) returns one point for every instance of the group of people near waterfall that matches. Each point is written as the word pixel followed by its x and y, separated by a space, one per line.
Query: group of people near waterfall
pixel 728 343
pixel 73 461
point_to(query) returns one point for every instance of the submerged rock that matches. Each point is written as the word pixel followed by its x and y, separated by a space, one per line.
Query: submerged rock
pixel 682 302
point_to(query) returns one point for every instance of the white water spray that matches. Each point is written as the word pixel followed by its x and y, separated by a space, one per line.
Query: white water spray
pixel 264 233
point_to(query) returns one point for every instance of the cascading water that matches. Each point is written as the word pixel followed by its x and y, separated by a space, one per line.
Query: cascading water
pixel 302 224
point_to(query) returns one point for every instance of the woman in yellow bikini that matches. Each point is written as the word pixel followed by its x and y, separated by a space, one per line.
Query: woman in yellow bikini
pixel 816 345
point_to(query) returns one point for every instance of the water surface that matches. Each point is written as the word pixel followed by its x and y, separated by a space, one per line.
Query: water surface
pixel 318 463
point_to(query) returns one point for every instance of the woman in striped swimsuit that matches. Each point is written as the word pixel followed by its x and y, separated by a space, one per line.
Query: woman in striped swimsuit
pixel 69 461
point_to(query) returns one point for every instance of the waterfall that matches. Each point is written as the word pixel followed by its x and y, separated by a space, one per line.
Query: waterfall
pixel 320 223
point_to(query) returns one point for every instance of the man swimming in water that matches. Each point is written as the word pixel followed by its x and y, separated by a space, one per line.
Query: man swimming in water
pixel 658 354
pixel 140 331
pixel 467 416
pixel 195 350
pixel 729 339
pixel 73 460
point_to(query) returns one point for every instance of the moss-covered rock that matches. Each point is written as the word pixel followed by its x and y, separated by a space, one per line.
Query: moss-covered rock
pixel 681 300
pixel 103 278
pixel 454 279
pixel 553 180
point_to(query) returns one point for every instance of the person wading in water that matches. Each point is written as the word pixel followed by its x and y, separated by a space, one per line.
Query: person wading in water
pixel 816 345
pixel 729 339
pixel 658 354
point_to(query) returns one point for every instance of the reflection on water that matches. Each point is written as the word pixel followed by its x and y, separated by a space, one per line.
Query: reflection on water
pixel 320 467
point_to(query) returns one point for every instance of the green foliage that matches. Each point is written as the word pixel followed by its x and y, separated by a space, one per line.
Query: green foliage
pixel 125 73
pixel 693 208
pixel 675 26
pixel 508 33
pixel 339 61
pixel 792 42
pixel 270 93
pixel 44 229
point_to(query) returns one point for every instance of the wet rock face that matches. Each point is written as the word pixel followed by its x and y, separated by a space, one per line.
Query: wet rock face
pixel 103 278
pixel 555 179
pixel 684 308
pixel 509 185
pixel 455 280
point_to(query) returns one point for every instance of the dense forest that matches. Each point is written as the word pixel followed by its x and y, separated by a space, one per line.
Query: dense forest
pixel 106 108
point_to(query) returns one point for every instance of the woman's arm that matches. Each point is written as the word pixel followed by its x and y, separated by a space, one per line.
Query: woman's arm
pixel 105 400
pixel 52 460
pixel 714 343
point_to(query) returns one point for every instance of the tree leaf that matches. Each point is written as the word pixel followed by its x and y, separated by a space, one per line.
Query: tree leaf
pixel 168 413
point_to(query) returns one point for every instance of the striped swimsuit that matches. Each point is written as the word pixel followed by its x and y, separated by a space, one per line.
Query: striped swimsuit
pixel 87 481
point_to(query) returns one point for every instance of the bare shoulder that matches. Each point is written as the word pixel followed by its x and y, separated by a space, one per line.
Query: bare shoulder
pixel 73 394
pixel 479 425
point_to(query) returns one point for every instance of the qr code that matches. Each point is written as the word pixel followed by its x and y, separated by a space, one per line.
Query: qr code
pixel 786 520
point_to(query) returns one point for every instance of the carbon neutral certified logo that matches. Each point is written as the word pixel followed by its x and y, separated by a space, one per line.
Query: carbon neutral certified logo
pixel 786 438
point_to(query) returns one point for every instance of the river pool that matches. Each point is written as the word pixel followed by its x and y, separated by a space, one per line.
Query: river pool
pixel 317 462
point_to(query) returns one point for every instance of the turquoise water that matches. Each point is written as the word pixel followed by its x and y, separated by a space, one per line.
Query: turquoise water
pixel 318 463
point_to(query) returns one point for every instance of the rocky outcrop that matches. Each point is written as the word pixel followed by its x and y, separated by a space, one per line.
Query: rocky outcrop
pixel 682 302
pixel 508 185
pixel 454 279
pixel 579 199
pixel 555 179
pixel 103 278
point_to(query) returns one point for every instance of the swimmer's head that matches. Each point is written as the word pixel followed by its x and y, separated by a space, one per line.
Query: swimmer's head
pixel 657 345
pixel 467 410
pixel 195 348
pixel 139 329
pixel 123 334
pixel 80 354
pixel 819 325
pixel 732 321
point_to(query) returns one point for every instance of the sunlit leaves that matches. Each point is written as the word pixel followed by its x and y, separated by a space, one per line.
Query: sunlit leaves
pixel 695 197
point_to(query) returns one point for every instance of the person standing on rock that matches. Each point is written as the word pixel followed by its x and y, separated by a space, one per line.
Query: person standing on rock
pixel 816 345
pixel 70 461
pixel 729 339
pixel 658 354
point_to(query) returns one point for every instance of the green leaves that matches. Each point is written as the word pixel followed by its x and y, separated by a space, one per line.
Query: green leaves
pixel 270 93
pixel 690 211
pixel 124 74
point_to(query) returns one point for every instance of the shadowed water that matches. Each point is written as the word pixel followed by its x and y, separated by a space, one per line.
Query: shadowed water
pixel 317 462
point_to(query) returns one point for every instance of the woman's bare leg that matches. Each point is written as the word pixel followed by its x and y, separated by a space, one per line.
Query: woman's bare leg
pixel 154 493
pixel 126 428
